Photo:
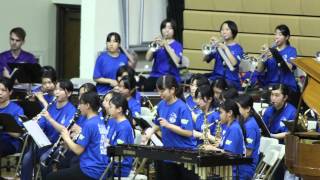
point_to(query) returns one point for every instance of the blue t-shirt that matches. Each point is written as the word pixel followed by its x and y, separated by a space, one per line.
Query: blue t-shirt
pixel 63 116
pixel 274 74
pixel 14 110
pixel 222 71
pixel 274 121
pixel 107 67
pixel 123 134
pixel 93 139
pixel 212 118
pixel 253 143
pixel 178 114
pixel 162 65
pixel 192 105
pixel 233 141
pixel 134 107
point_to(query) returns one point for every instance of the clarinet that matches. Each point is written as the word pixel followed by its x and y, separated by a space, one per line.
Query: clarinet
pixel 57 148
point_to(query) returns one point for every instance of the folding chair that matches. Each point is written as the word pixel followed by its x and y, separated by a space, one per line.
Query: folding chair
pixel 268 162
pixel 265 143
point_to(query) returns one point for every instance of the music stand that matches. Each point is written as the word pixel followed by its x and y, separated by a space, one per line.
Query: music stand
pixel 26 72
pixel 9 124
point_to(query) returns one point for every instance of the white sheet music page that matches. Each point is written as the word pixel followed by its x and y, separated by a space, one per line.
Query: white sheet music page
pixel 37 134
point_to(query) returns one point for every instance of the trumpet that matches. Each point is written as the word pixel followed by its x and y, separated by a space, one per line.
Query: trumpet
pixel 155 45
pixel 263 57
pixel 211 47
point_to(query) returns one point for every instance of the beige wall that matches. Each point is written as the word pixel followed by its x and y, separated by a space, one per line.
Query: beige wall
pixel 38 18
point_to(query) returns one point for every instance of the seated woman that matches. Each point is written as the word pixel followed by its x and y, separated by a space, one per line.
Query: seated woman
pixel 127 87
pixel 9 142
pixel 91 145
pixel 45 93
pixel 279 111
pixel 62 112
pixel 204 99
pixel 197 80
pixel 108 63
pixel 167 58
pixel 233 52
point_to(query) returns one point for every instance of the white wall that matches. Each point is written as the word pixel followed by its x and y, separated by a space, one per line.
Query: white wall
pixel 38 18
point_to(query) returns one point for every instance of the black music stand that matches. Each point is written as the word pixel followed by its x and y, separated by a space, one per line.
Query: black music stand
pixel 26 72
pixel 9 124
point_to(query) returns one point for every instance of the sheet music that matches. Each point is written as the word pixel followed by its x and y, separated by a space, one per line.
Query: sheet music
pixel 37 134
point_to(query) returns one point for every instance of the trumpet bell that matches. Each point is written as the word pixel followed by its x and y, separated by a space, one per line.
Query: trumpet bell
pixel 154 46
pixel 207 49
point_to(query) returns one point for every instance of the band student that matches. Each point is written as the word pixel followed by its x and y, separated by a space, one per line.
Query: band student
pixel 108 63
pixel 167 57
pixel 232 51
pixel 175 123
pixel 60 111
pixel 91 145
pixel 9 142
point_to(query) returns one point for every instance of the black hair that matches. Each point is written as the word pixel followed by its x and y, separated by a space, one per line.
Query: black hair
pixel 233 27
pixel 89 87
pixel 120 101
pixel 230 93
pixel 173 25
pixel 49 72
pixel 230 105
pixel 7 83
pixel 116 37
pixel 203 92
pixel 168 82
pixel 246 101
pixel 220 84
pixel 91 98
pixel 283 88
pixel 20 32
pixel 201 79
pixel 130 83
pixel 285 31
pixel 124 69
pixel 66 85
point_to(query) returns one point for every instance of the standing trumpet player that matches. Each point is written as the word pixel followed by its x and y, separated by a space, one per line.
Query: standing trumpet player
pixel 167 57
pixel 227 50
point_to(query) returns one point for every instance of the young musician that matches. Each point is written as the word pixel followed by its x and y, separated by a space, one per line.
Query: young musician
pixel 279 111
pixel 123 133
pixel 233 52
pixel 91 145
pixel 9 142
pixel 281 70
pixel 109 62
pixel 168 58
pixel 252 134
pixel 128 71
pixel 127 87
pixel 175 122
pixel 204 98
pixel 197 80
pixel 218 86
pixel 233 139
pixel 44 93
pixel 61 111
